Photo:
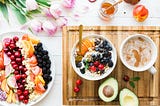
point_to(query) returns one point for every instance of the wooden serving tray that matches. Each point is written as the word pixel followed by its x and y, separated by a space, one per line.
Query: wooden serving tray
pixel 147 88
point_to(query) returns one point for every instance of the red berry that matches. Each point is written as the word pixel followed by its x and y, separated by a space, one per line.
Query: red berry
pixel 21 87
pixel 16 72
pixel 6 50
pixel 15 66
pixel 17 77
pixel 17 54
pixel 19 92
pixel 19 60
pixel 12 57
pixel 21 68
pixel 96 63
pixel 7 44
pixel 9 53
pixel 25 101
pixel 25 69
pixel 22 58
pixel 126 78
pixel 26 92
pixel 92 68
pixel 13 63
pixel 24 76
pixel 76 89
pixel 101 67
pixel 15 38
pixel 12 46
pixel 23 81
pixel 21 97
pixel 78 82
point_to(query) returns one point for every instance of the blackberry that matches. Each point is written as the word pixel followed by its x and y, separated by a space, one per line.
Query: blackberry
pixel 79 64
pixel 46 86
pixel 82 70
pixel 45 52
pixel 48 66
pixel 39 44
pixel 110 64
pixel 44 68
pixel 49 72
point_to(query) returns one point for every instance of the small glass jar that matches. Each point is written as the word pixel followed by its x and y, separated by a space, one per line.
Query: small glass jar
pixel 107 14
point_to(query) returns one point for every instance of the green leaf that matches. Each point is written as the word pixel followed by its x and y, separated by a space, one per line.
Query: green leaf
pixel 132 84
pixel 87 65
pixel 4 10
pixel 33 12
pixel 19 4
pixel 44 3
pixel 135 78
pixel 21 18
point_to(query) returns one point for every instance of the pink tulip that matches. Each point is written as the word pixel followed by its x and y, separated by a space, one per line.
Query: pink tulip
pixel 48 13
pixel 31 5
pixel 55 10
pixel 62 21
pixel 68 3
pixel 36 26
pixel 49 27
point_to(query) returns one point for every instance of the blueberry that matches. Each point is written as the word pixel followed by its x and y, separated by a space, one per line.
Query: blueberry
pixel 39 45
pixel 106 61
pixel 35 47
pixel 40 65
pixel 82 70
pixel 100 50
pixel 45 52
pixel 44 72
pixel 97 49
pixel 45 57
pixel 110 64
pixel 101 46
pixel 79 64
pixel 49 78
pixel 44 63
pixel 46 86
pixel 35 53
pixel 45 76
pixel 49 72
pixel 49 61
pixel 48 66
pixel 110 48
pixel 40 61
pixel 102 61
pixel 93 55
pixel 90 64
pixel 40 49
pixel 105 42
pixel 44 68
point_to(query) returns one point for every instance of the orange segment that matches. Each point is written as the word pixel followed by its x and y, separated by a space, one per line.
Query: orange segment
pixel 28 46
pixel 25 37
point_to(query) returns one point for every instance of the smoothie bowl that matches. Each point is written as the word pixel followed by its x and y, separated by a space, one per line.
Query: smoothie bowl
pixel 97 57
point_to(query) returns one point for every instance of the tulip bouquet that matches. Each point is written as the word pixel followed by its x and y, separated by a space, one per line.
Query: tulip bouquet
pixel 23 9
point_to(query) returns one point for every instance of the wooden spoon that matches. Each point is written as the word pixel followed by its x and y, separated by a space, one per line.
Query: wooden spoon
pixel 80 37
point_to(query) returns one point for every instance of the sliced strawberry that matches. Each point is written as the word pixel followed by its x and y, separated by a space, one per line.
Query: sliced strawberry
pixel 39 88
pixel 37 70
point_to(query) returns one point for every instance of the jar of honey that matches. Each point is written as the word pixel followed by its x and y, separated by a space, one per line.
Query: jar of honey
pixel 106 12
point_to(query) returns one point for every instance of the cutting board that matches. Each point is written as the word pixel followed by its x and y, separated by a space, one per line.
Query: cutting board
pixel 147 88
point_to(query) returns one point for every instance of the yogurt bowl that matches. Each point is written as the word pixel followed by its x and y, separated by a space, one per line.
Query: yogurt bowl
pixel 97 58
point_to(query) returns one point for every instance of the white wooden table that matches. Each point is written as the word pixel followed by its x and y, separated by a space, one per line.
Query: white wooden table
pixel 122 18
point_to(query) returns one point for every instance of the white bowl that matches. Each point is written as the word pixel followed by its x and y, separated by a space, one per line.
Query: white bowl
pixel 20 33
pixel 153 58
pixel 87 77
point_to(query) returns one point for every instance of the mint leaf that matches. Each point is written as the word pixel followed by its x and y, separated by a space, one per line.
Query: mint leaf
pixel 132 84
pixel 87 65
pixel 135 78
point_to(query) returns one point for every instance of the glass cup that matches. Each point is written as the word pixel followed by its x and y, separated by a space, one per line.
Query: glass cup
pixel 107 14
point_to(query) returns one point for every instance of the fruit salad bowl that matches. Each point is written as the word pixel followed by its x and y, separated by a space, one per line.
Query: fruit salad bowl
pixel 97 58
pixel 27 69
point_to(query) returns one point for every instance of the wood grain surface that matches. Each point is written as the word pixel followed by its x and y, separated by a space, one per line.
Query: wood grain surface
pixel 147 88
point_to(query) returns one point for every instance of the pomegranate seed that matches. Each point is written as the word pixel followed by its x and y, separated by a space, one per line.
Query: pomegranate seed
pixel 19 92
pixel 24 76
pixel 22 58
pixel 21 68
pixel 12 46
pixel 17 54
pixel 21 87
pixel 16 72
pixel 6 50
pixel 21 97
pixel 96 63
pixel 126 78
pixel 101 67
pixel 25 101
pixel 25 69
pixel 78 82
pixel 19 60
pixel 26 92
pixel 12 57
pixel 17 77
pixel 7 44
pixel 13 63
pixel 76 89
pixel 15 38
pixel 92 68
pixel 23 81
pixel 15 66
pixel 9 54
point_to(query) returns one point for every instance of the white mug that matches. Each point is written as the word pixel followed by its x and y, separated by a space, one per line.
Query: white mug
pixel 149 66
